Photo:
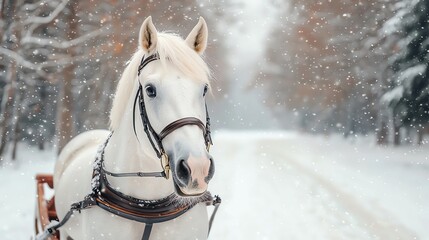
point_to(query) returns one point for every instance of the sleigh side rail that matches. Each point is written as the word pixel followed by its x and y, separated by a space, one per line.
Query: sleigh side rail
pixel 45 208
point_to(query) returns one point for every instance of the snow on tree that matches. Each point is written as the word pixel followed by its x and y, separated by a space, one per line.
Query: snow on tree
pixel 321 64
pixel 35 50
pixel 410 65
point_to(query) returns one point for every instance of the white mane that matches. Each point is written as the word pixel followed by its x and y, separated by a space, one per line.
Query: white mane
pixel 172 49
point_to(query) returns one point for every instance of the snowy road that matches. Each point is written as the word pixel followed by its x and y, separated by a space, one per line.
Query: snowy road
pixel 283 186
pixel 300 187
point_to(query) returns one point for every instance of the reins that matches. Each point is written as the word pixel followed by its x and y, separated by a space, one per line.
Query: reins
pixel 145 211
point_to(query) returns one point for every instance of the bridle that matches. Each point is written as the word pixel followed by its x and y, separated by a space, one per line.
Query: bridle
pixel 145 211
pixel 155 139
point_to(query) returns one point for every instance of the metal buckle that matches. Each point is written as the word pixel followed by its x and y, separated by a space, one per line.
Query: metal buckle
pixel 165 165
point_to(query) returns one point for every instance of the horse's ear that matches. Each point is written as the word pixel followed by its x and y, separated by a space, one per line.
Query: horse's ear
pixel 197 39
pixel 148 35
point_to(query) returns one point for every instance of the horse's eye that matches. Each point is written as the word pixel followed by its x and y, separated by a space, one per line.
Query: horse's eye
pixel 206 88
pixel 150 91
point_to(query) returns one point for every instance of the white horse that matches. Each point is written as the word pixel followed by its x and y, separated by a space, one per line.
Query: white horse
pixel 173 87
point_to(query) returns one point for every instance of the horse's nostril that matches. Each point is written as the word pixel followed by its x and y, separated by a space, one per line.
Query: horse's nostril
pixel 211 170
pixel 183 172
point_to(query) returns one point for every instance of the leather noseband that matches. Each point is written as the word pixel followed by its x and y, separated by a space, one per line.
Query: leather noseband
pixel 181 123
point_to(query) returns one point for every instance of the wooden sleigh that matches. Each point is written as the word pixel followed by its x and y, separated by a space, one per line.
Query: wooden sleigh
pixel 45 206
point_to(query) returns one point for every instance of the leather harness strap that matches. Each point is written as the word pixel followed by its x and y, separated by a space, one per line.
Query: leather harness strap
pixel 142 210
pixel 181 123
pixel 147 231
pixel 141 216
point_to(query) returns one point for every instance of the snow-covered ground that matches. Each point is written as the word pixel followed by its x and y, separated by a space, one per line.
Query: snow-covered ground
pixel 284 185
pixel 18 191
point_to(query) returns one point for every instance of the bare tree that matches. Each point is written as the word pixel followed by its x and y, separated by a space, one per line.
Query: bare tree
pixel 65 123
pixel 38 53
pixel 9 10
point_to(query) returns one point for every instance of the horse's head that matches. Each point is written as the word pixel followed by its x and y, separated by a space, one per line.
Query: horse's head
pixel 174 87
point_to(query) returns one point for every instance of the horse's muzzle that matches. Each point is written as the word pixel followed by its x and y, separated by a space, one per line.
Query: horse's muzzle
pixel 191 176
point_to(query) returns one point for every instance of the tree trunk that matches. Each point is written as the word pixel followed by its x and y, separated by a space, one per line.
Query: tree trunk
pixel 382 128
pixel 16 137
pixel 17 112
pixel 397 135
pixel 8 10
pixel 65 104
pixel 420 132
pixel 41 109
pixel 408 139
pixel 65 114
pixel 382 132
pixel 7 109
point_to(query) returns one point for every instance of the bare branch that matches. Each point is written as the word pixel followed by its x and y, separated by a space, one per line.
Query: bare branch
pixel 32 6
pixel 63 44
pixel 48 19
pixel 19 59
pixel 22 62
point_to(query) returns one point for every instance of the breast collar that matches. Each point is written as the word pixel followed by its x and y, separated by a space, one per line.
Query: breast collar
pixel 149 212
pixel 146 211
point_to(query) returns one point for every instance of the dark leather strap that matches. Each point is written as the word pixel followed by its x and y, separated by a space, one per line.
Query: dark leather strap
pixel 146 211
pixel 135 174
pixel 131 204
pixel 216 203
pixel 181 123
pixel 147 231
pixel 86 203
pixel 139 217
pixel 146 61
pixel 207 134
pixel 150 132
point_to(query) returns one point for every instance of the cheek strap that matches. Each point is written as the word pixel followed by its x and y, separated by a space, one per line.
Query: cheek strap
pixel 156 139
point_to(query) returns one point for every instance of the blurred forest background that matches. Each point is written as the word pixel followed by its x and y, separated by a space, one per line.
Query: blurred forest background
pixel 351 67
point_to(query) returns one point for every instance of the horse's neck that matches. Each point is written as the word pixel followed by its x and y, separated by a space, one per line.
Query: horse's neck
pixel 124 153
